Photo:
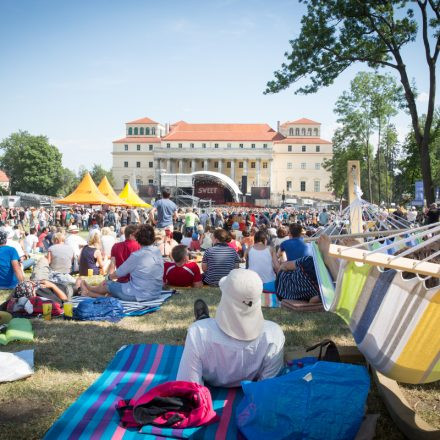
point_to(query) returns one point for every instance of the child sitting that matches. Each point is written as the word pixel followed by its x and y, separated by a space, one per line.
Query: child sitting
pixel 182 272
pixel 195 242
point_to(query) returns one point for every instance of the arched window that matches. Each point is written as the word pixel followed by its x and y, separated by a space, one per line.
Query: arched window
pixel 147 131
pixel 316 131
pixel 135 131
pixel 309 131
pixel 153 131
pixel 303 131
pixel 297 131
pixel 290 131
pixel 141 131
pixel 130 131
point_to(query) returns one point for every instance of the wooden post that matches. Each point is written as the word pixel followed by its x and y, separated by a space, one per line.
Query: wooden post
pixel 354 180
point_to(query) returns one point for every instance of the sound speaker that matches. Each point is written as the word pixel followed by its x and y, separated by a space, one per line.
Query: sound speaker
pixel 244 184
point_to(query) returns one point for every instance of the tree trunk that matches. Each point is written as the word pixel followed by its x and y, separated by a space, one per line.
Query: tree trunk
pixel 387 165
pixel 369 168
pixel 378 164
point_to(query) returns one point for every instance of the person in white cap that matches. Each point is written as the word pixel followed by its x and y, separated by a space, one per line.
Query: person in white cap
pixel 76 243
pixel 236 345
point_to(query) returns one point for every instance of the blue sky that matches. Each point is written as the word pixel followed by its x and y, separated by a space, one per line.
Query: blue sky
pixel 76 71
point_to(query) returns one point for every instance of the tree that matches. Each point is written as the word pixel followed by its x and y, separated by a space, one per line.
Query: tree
pixel 98 172
pixel 31 163
pixel 338 33
pixel 69 181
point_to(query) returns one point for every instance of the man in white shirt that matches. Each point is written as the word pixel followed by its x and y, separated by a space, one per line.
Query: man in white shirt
pixel 236 345
pixel 30 241
pixel 76 243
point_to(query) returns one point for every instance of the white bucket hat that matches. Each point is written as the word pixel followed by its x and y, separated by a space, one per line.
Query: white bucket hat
pixel 239 313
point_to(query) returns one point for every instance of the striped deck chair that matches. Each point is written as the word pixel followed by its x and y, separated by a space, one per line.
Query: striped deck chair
pixel 395 322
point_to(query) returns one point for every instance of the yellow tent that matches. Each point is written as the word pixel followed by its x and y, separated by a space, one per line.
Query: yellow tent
pixel 87 193
pixel 131 198
pixel 109 192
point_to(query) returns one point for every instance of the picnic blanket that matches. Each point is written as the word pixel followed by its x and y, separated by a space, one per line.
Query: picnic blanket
pixel 134 308
pixel 270 300
pixel 133 371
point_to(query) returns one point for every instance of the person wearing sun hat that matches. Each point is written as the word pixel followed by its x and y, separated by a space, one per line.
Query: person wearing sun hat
pixel 238 344
pixel 10 269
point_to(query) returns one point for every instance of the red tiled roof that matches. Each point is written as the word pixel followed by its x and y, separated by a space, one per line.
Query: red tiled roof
pixel 3 177
pixel 183 131
pixel 302 121
pixel 302 140
pixel 142 121
pixel 138 140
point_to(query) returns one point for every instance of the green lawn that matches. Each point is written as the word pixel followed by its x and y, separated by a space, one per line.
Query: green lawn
pixel 69 356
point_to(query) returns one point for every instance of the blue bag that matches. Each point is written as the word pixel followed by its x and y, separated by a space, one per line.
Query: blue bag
pixel 325 400
pixel 99 309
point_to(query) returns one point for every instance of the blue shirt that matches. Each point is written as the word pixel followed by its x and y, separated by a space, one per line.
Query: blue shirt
pixel 165 210
pixel 295 248
pixel 145 267
pixel 8 280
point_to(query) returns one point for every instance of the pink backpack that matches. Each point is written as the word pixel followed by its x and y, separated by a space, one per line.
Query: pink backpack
pixel 175 404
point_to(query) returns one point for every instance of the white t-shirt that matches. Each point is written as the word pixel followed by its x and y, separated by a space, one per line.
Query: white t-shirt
pixel 211 356
pixel 75 241
pixel 260 261
pixel 29 242
pixel 107 242
pixel 16 246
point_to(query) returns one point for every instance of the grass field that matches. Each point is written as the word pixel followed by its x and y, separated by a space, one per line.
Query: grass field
pixel 69 356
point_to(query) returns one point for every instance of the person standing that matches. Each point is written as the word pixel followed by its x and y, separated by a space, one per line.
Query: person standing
pixel 166 211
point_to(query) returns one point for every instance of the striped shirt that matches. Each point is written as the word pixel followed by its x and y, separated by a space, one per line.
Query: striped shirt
pixel 221 259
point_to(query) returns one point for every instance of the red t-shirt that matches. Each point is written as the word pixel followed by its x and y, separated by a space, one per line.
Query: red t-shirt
pixel 41 238
pixel 183 276
pixel 121 251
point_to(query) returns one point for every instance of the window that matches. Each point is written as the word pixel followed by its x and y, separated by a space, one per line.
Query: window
pixel 317 186
pixel 125 164
pixel 168 145
pixel 228 164
pixel 125 147
pixel 215 164
pixel 303 186
pixel 135 131
pixel 150 147
pixel 203 145
pixel 138 147
pixel 153 131
pixel 180 145
pixel 289 148
pixel 229 145
pixel 191 145
pixel 264 145
pixel 138 164
pixel 147 131
pixel 253 164
pixel 290 131
pixel 150 181
pixel 215 145
pixel 289 165
pixel 316 131
pixel 296 131
pixel 141 131
pixel 309 131
pixel 318 148
pixel 240 164
pixel 289 185
pixel 130 131
pixel 138 182
pixel 150 164
pixel 303 148
pixel 264 164
pixel 303 165
pixel 317 166
pixel 241 146
pixel 252 145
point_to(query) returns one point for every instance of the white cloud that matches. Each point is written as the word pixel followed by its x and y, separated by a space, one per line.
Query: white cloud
pixel 423 97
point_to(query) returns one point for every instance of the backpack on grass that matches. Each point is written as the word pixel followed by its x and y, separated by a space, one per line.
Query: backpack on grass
pixel 99 309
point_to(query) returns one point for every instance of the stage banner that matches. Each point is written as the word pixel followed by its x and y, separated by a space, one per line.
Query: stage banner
pixel 260 192
pixel 208 190
pixel 184 181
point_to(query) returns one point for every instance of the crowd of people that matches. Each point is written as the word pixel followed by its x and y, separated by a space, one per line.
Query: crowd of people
pixel 242 251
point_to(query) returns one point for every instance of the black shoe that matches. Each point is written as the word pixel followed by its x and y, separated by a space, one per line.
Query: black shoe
pixel 201 310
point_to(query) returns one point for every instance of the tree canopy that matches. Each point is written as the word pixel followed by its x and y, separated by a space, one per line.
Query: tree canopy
pixel 338 33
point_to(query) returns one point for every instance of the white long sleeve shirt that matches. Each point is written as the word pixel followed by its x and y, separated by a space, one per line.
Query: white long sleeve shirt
pixel 211 356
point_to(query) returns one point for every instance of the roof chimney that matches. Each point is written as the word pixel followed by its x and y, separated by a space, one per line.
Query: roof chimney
pixel 278 126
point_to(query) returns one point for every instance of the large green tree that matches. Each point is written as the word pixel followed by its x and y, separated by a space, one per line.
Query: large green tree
pixel 32 164
pixel 97 172
pixel 338 33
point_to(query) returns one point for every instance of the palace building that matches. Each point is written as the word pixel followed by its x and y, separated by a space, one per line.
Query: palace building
pixel 289 159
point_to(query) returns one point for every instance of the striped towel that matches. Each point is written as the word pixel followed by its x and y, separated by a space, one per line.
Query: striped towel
pixel 134 308
pixel 133 371
pixel 270 300
pixel 395 322
pixel 325 280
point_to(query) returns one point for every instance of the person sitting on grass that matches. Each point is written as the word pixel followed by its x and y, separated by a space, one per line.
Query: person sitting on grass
pixel 236 345
pixel 60 255
pixel 10 269
pixel 295 247
pixel 182 272
pixel 91 257
pixel 145 268
pixel 219 260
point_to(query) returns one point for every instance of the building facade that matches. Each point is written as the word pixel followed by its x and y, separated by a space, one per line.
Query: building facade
pixel 287 160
